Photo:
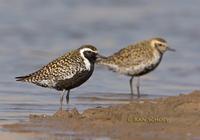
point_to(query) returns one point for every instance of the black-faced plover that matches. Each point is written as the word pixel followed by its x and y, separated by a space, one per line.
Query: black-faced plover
pixel 66 72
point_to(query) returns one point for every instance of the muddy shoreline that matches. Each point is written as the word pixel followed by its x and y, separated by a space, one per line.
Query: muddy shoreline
pixel 174 117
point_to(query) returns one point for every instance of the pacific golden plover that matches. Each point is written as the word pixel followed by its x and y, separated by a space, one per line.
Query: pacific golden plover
pixel 66 72
pixel 137 59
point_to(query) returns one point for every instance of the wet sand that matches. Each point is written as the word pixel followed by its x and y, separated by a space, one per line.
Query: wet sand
pixel 172 118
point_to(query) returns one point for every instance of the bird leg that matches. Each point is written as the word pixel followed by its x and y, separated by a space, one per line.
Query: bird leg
pixel 138 87
pixel 131 85
pixel 61 99
pixel 67 96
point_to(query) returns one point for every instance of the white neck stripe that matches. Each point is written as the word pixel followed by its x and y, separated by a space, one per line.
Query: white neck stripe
pixel 87 49
pixel 86 61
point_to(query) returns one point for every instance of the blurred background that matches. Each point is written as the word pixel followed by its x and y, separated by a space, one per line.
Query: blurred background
pixel 34 32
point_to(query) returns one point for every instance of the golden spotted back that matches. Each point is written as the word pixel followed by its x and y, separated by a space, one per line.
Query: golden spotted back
pixel 60 68
pixel 132 55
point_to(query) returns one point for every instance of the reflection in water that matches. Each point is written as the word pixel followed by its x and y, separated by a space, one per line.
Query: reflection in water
pixel 34 32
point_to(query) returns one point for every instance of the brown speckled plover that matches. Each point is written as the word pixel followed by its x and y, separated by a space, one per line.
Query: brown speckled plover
pixel 66 72
pixel 137 59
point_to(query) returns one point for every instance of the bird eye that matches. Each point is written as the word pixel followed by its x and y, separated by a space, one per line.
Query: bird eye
pixel 89 54
pixel 159 44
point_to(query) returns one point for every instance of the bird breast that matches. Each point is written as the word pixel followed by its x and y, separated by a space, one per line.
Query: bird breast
pixel 145 66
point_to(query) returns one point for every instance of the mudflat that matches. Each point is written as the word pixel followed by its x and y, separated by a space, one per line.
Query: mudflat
pixel 174 118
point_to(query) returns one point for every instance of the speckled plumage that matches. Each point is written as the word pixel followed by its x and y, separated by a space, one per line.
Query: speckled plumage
pixel 137 59
pixel 66 72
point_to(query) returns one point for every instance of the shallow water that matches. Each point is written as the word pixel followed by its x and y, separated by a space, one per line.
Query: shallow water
pixel 33 32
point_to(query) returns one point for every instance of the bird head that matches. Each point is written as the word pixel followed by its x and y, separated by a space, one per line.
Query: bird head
pixel 90 53
pixel 161 45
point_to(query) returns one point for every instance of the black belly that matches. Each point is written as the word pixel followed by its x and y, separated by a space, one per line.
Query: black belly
pixel 75 81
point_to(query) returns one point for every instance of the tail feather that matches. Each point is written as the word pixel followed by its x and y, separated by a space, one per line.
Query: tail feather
pixel 101 61
pixel 22 78
pixel 106 62
pixel 28 77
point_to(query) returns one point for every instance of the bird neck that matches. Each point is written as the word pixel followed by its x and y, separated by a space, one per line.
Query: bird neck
pixel 158 55
pixel 159 51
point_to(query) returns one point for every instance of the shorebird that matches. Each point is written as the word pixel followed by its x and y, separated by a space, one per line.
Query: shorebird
pixel 137 59
pixel 66 72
